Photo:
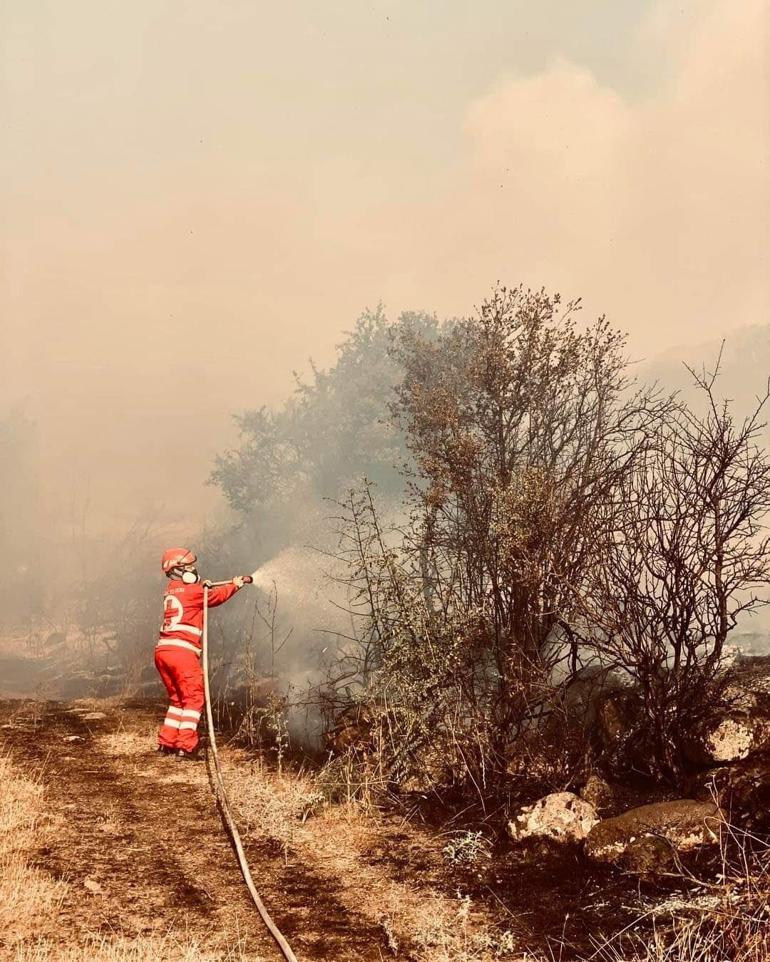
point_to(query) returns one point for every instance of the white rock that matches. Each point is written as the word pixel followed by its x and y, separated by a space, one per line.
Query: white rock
pixel 735 737
pixel 562 816
pixel 731 740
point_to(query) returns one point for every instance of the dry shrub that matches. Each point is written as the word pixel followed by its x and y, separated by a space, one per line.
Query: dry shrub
pixel 552 756
pixel 27 895
pixel 354 779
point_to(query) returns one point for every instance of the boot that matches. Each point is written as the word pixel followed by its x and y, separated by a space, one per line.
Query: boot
pixel 184 756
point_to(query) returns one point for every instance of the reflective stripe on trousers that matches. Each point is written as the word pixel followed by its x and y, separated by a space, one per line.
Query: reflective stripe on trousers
pixel 181 672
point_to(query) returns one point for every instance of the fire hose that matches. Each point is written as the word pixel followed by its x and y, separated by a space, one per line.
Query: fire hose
pixel 220 794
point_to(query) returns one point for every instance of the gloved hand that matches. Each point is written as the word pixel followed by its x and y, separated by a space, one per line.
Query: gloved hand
pixel 239 581
pixel 206 583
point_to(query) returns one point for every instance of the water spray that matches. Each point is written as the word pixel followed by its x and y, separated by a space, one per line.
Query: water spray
pixel 218 785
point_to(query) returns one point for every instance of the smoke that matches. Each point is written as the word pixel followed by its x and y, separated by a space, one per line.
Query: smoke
pixel 175 260
pixel 168 262
pixel 300 583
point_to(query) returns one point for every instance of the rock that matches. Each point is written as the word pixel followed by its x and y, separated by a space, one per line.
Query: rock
pixel 617 724
pixel 736 737
pixel 93 886
pixel 94 716
pixel 73 738
pixel 682 826
pixel 563 817
pixel 649 855
pixel 743 790
pixel 355 731
pixel 739 725
pixel 740 698
pixel 599 794
pixel 417 783
pixel 617 714
pixel 430 766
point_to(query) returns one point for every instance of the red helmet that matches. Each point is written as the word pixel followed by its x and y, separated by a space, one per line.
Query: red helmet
pixel 177 558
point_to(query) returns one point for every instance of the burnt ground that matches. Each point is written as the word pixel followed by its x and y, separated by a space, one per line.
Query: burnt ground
pixel 141 846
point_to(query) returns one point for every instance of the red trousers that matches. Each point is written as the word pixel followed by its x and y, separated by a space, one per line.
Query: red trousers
pixel 182 675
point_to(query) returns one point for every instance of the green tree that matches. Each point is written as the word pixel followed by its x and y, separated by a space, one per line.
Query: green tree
pixel 334 430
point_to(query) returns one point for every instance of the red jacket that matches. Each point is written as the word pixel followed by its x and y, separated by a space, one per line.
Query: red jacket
pixel 183 613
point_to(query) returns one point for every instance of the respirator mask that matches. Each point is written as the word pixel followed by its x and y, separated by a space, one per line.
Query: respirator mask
pixel 188 576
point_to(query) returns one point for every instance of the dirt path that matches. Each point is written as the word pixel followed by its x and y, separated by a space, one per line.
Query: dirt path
pixel 142 848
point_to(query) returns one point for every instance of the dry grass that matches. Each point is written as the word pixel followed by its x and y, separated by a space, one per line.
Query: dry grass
pixel 128 743
pixel 437 928
pixel 355 779
pixel 268 805
pixel 136 750
pixel 713 938
pixel 106 704
pixel 30 899
pixel 729 923
pixel 427 925
pixel 431 925
pixel 27 895
pixel 163 949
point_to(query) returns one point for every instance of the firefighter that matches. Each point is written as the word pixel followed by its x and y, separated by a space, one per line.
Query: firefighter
pixel 177 654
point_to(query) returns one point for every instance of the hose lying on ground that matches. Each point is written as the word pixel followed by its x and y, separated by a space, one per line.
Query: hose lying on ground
pixel 223 803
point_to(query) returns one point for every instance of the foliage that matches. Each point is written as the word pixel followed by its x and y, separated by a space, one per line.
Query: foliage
pixel 520 425
pixel 467 848
pixel 330 433
pixel 560 524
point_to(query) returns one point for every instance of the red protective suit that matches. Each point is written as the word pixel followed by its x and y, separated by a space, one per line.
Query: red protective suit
pixel 177 658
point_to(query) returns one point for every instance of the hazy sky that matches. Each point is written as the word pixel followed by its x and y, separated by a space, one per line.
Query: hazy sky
pixel 198 195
